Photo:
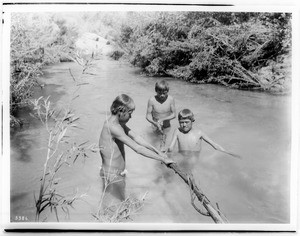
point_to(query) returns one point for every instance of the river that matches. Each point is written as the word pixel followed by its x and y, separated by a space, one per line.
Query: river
pixel 255 125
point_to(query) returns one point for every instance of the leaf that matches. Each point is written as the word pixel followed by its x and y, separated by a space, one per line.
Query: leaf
pixel 76 158
pixel 56 214
pixel 61 135
pixel 44 207
pixel 68 116
pixel 74 119
pixel 75 97
pixel 83 143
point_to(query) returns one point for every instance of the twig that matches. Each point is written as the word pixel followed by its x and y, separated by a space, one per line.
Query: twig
pixel 205 213
pixel 72 75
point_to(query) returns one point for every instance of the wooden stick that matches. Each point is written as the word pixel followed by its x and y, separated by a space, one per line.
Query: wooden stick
pixel 215 214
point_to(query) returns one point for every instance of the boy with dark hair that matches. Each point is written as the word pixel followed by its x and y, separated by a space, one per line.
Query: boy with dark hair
pixel 114 135
pixel 190 139
pixel 161 108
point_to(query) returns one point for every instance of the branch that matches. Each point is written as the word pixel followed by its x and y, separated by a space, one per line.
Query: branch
pixel 215 214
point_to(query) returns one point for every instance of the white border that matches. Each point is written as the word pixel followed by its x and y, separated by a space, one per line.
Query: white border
pixel 147 7
pixel 281 6
pixel 153 227
pixel 5 165
pixel 173 2
pixel 295 129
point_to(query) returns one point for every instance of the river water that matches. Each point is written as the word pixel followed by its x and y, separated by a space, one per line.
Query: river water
pixel 255 189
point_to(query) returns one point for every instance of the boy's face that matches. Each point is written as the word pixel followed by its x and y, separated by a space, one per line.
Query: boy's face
pixel 162 94
pixel 185 125
pixel 126 116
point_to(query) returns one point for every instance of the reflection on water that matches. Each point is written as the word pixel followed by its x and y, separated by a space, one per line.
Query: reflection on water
pixel 254 125
pixel 23 144
pixel 113 184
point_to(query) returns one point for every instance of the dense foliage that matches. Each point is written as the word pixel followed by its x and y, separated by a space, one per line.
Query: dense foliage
pixel 242 50
pixel 36 40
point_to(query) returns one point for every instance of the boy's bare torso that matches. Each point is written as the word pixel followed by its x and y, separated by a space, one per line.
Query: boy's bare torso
pixel 161 110
pixel 190 141
pixel 111 150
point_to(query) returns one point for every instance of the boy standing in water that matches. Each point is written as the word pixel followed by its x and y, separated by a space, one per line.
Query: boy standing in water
pixel 113 136
pixel 190 139
pixel 161 108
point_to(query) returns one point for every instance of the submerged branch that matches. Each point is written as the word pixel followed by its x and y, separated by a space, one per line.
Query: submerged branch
pixel 215 214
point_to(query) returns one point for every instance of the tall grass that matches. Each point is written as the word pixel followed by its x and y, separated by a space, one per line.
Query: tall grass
pixel 122 211
pixel 61 152
pixel 117 211
pixel 61 149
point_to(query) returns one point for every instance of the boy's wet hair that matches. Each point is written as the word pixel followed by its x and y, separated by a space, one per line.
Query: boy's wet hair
pixel 161 85
pixel 122 103
pixel 186 114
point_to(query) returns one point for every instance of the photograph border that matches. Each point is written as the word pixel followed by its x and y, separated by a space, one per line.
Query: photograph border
pixel 26 6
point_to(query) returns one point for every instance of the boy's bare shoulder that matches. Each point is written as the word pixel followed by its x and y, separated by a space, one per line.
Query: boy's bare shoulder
pixel 176 131
pixel 115 129
pixel 151 99
pixel 197 131
pixel 171 98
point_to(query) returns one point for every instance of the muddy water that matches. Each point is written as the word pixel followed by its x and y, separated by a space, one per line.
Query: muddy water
pixel 254 125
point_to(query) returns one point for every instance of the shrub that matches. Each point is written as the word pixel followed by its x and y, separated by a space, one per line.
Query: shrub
pixel 233 49
pixel 36 40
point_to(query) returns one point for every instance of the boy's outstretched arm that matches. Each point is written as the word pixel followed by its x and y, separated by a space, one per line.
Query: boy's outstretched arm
pixel 119 134
pixel 139 140
pixel 212 143
pixel 218 147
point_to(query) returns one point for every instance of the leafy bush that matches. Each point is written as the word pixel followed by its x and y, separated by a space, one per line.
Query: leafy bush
pixel 36 40
pixel 241 50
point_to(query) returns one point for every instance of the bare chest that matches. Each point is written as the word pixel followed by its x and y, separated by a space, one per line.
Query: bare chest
pixel 162 107
pixel 190 141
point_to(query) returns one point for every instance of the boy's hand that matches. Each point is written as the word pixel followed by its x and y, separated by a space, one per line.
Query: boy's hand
pixel 124 172
pixel 167 160
pixel 159 125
